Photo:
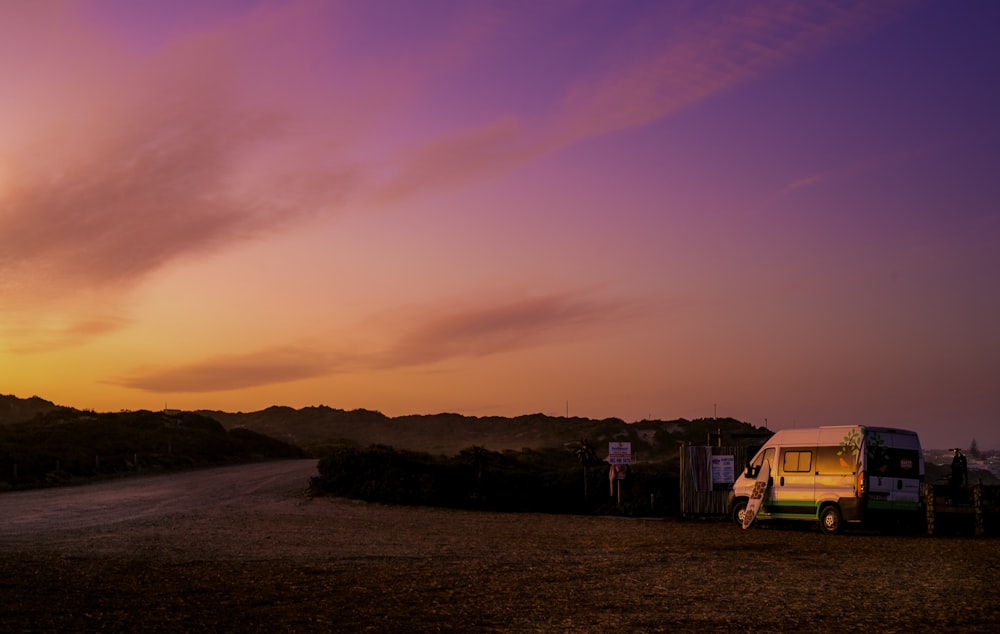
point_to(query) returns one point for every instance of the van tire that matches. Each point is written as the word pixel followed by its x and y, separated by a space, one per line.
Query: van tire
pixel 831 521
pixel 739 509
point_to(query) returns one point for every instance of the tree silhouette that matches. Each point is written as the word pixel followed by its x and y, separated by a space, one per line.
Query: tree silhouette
pixel 585 454
pixel 974 449
pixel 477 457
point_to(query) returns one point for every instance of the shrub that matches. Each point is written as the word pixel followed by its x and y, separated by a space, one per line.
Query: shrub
pixel 548 481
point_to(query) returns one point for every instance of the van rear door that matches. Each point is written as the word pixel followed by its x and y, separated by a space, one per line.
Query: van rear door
pixel 894 470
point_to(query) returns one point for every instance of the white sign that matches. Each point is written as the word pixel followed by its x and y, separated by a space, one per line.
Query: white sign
pixel 620 452
pixel 723 469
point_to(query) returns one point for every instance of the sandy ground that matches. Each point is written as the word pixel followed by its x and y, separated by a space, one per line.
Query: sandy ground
pixel 244 549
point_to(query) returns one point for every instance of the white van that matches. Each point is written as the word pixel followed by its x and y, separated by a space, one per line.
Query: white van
pixel 836 474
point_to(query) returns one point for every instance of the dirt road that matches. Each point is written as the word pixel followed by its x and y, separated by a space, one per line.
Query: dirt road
pixel 243 549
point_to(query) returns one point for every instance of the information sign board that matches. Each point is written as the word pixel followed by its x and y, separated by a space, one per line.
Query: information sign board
pixel 723 469
pixel 620 452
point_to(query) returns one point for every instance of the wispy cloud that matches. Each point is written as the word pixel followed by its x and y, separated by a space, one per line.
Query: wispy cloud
pixel 458 159
pixel 232 372
pixel 717 47
pixel 720 46
pixel 865 164
pixel 150 160
pixel 115 162
pixel 520 323
pixel 41 335
pixel 439 335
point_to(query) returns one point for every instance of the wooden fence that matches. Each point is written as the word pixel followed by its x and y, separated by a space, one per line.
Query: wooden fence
pixel 703 492
pixel 955 507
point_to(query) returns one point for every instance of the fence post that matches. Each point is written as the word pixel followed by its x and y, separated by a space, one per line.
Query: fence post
pixel 929 502
pixel 977 505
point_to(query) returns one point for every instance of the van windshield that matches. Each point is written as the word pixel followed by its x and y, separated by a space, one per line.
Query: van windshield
pixel 754 468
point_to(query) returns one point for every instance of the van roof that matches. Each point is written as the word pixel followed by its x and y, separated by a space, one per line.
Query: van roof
pixel 834 434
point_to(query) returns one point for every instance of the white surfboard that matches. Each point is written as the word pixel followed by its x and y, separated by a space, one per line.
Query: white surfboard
pixel 757 495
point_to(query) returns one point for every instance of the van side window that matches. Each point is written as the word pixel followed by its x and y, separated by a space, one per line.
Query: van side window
pixel 834 461
pixel 796 461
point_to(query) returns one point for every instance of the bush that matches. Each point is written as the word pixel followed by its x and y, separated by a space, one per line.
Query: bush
pixel 549 481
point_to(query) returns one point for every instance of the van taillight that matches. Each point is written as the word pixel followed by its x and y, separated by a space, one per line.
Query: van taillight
pixel 860 487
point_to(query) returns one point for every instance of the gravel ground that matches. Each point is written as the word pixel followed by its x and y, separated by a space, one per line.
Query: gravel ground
pixel 244 549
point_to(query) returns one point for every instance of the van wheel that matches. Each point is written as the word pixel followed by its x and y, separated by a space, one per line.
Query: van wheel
pixel 739 511
pixel 830 520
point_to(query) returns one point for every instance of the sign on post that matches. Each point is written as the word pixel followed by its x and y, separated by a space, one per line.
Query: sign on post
pixel 619 455
pixel 620 452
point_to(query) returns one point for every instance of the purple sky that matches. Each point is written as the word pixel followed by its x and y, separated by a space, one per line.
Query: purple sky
pixel 780 211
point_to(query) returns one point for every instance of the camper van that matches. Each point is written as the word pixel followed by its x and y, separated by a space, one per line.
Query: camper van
pixel 833 475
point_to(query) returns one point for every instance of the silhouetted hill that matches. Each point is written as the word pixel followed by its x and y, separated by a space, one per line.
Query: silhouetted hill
pixel 314 428
pixel 61 444
pixel 15 410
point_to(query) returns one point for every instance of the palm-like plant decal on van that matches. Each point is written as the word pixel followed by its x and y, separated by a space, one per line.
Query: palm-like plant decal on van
pixel 875 447
pixel 850 445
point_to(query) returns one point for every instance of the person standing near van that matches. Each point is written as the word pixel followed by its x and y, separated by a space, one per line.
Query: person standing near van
pixel 959 473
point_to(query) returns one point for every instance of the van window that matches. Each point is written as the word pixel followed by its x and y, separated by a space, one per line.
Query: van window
pixel 894 463
pixel 759 459
pixel 834 461
pixel 796 461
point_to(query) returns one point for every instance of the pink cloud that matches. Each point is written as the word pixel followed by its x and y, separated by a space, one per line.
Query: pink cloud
pixel 118 160
pixel 439 335
pixel 232 372
pixel 115 163
pixel 30 336
pixel 872 163
pixel 150 159
pixel 516 324
pixel 725 45
pixel 458 159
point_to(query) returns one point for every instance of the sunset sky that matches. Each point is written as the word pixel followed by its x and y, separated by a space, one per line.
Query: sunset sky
pixel 776 210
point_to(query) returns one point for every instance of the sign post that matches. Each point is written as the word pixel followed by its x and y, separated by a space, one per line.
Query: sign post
pixel 620 456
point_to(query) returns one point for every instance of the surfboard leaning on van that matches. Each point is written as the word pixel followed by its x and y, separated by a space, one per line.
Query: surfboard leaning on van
pixel 833 475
